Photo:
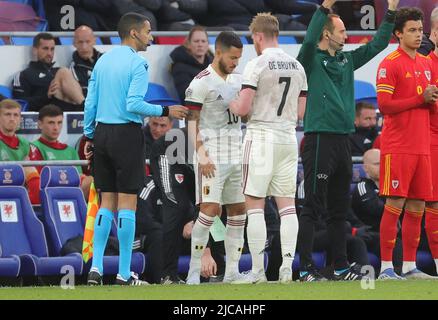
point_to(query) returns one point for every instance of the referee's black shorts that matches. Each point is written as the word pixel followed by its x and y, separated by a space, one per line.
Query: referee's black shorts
pixel 119 164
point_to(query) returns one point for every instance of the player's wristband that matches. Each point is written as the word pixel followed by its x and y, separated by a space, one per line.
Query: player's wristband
pixel 390 16
pixel 165 111
pixel 324 9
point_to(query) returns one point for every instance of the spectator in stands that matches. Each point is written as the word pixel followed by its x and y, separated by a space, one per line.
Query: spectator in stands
pixel 85 56
pixel 190 59
pixel 47 147
pixel 238 14
pixel 15 148
pixel 42 83
pixel 368 206
pixel 429 40
pixel 365 123
pixel 180 14
pixel 144 7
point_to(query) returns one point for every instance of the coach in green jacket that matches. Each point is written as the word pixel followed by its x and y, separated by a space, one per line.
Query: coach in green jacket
pixel 328 120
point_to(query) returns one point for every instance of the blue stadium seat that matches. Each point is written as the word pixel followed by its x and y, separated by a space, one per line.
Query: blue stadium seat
pixel 65 213
pixel 157 94
pixel 212 40
pixel 22 234
pixel 2 42
pixel 22 41
pixel 23 103
pixel 319 259
pixel 365 92
pixel 6 91
pixel 115 40
pixel 358 172
pixel 68 41
pixel 287 40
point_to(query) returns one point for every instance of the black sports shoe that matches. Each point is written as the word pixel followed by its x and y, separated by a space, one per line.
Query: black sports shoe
pixel 172 280
pixel 132 281
pixel 310 274
pixel 351 274
pixel 94 278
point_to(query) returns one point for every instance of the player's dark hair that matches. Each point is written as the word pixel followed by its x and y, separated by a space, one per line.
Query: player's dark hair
pixel 42 36
pixel 49 110
pixel 363 105
pixel 406 14
pixel 227 39
pixel 129 21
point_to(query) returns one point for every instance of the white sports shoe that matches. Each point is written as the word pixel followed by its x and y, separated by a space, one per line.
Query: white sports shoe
pixel 232 277
pixel 252 278
pixel 194 276
pixel 285 275
pixel 418 274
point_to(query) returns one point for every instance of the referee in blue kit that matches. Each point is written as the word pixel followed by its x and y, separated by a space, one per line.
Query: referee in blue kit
pixel 113 116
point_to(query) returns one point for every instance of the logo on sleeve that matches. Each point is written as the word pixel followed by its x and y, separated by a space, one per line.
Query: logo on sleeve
pixel 382 73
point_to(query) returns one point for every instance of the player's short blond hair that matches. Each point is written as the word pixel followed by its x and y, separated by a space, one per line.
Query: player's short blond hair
pixel 265 23
pixel 8 104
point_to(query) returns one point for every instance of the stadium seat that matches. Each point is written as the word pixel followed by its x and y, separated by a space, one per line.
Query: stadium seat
pixel 65 211
pixel 68 41
pixel 157 94
pixel 2 42
pixel 22 234
pixel 6 91
pixel 22 41
pixel 365 91
pixel 115 40
pixel 358 172
pixel 287 40
pixel 319 259
pixel 24 104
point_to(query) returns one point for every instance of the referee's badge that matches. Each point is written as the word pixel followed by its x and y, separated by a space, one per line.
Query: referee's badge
pixel 206 190
pixel 179 178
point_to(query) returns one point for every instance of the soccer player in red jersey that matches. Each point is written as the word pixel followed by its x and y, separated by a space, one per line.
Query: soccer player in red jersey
pixel 432 204
pixel 405 97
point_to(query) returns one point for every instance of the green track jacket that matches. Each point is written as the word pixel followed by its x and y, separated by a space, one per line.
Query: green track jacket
pixel 330 99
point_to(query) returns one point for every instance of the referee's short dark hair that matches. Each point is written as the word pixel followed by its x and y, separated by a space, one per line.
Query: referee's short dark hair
pixel 227 39
pixel 49 110
pixel 406 14
pixel 42 36
pixel 129 21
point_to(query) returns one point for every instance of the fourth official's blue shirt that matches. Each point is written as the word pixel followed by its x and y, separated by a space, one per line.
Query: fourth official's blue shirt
pixel 116 90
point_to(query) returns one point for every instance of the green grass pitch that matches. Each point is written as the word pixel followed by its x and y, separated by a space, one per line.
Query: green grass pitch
pixel 404 290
